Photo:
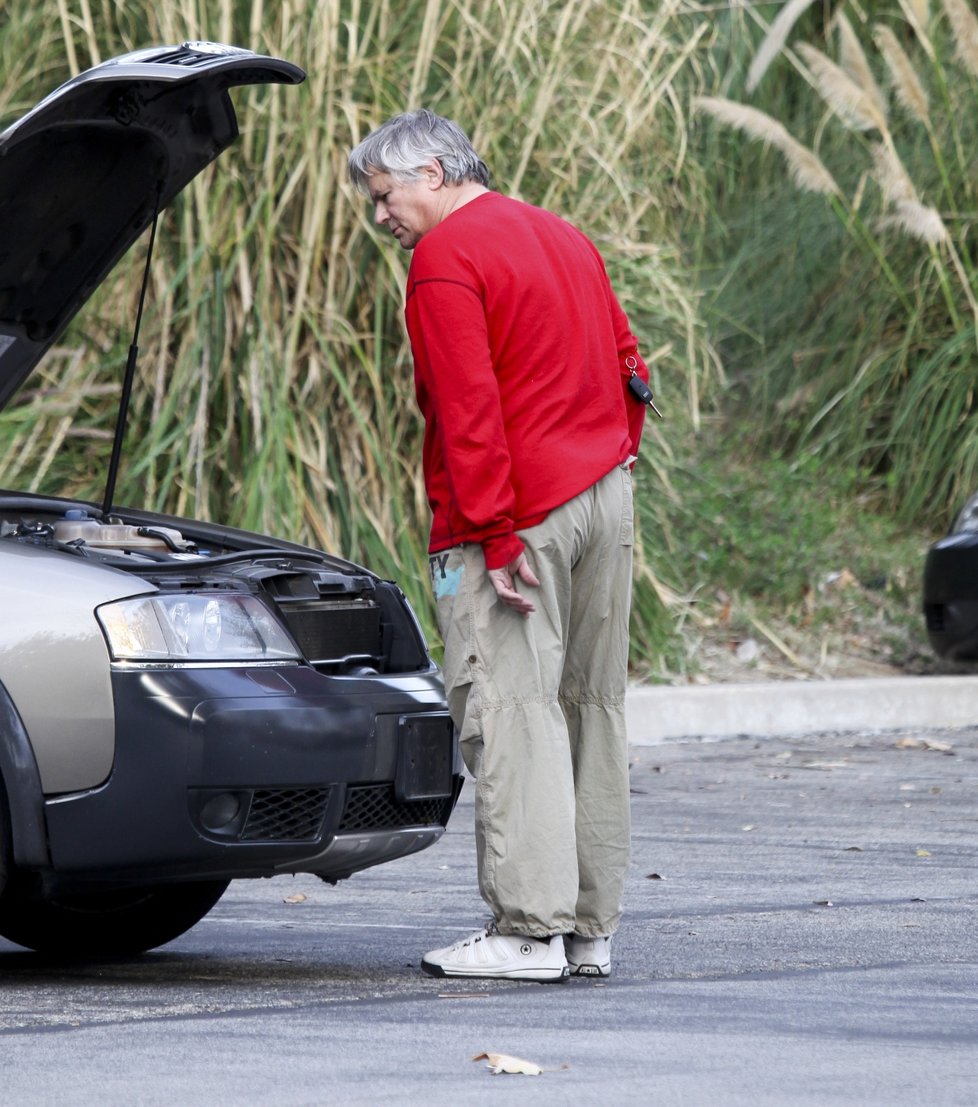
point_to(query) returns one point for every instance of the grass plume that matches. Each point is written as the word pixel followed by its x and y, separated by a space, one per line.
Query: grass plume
pixel 848 100
pixel 917 220
pixel 906 84
pixel 964 28
pixel 919 10
pixel 853 61
pixel 917 15
pixel 775 39
pixel 892 177
pixel 805 168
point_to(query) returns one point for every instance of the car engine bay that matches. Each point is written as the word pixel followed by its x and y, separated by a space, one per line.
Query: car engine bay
pixel 342 619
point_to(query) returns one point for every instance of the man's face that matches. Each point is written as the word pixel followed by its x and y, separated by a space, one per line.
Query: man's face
pixel 409 209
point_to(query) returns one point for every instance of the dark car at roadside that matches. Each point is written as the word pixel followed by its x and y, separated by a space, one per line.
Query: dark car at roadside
pixel 951 588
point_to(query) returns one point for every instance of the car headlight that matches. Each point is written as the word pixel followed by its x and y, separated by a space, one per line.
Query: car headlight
pixel 967 519
pixel 205 626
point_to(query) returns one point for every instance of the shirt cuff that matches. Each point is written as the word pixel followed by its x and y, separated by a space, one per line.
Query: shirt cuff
pixel 503 551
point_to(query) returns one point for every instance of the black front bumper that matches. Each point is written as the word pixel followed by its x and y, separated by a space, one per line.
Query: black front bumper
pixel 951 596
pixel 231 772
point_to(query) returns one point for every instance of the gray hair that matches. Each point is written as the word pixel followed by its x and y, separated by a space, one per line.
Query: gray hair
pixel 404 145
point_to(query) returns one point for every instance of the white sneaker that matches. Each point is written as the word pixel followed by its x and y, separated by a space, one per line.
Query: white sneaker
pixel 500 957
pixel 588 956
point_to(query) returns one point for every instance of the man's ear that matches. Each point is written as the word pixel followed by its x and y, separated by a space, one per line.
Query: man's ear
pixel 433 174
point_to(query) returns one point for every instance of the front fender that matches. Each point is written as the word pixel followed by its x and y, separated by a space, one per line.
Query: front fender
pixel 54 662
pixel 22 785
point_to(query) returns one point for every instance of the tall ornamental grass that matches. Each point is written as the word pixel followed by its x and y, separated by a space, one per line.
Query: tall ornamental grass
pixel 275 388
pixel 847 308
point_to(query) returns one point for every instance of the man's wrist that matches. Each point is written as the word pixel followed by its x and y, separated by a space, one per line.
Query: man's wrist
pixel 502 551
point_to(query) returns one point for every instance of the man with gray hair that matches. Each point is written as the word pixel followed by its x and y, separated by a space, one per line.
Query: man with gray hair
pixel 533 394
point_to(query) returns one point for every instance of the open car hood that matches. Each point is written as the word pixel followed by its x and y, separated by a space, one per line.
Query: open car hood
pixel 82 174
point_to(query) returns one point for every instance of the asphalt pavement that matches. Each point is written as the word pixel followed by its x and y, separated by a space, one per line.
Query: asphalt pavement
pixel 801 928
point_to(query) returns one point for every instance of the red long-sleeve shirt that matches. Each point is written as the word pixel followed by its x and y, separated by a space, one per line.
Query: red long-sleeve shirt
pixel 520 351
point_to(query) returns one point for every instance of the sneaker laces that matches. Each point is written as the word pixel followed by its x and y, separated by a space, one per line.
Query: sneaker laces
pixel 490 930
pixel 487 931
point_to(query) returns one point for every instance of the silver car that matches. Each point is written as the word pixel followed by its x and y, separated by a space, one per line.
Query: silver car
pixel 181 703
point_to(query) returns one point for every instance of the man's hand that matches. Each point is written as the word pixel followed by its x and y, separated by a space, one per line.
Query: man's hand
pixel 504 580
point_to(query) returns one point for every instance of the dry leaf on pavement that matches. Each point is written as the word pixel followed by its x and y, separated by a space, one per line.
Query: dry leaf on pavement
pixel 501 1062
pixel 924 744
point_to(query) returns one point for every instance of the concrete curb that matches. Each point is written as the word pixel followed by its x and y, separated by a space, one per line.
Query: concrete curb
pixel 662 713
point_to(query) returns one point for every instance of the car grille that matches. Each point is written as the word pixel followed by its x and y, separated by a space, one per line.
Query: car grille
pixel 285 814
pixel 332 633
pixel 374 807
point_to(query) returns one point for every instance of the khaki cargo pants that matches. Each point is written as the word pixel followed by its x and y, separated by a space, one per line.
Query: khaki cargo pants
pixel 539 703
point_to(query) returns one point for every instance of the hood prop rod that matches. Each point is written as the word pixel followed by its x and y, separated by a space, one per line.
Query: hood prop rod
pixel 123 417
